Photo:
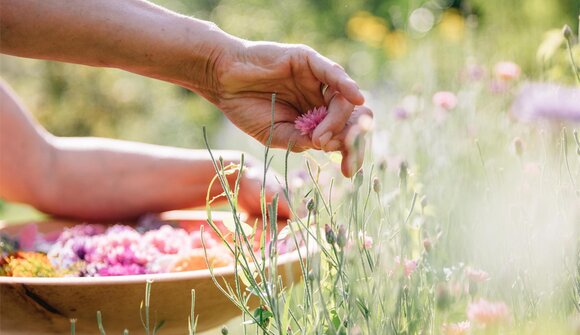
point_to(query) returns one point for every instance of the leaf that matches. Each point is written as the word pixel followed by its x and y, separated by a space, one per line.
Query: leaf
pixel 285 232
pixel 245 280
pixel 158 326
pixel 230 224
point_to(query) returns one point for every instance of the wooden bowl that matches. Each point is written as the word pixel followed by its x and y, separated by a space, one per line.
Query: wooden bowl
pixel 46 305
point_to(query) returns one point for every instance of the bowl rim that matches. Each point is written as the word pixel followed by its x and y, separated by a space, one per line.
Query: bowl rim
pixel 224 271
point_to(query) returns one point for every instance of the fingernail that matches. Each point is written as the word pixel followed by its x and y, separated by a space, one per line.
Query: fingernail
pixel 333 145
pixel 324 138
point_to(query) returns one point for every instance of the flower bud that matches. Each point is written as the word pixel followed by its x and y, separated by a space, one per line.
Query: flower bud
pixel 376 185
pixel 403 170
pixel 310 205
pixel 383 165
pixel 567 32
pixel 424 201
pixel 341 237
pixel 428 245
pixel 330 236
pixel 518 146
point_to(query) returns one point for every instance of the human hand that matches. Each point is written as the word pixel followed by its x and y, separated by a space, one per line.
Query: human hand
pixel 247 75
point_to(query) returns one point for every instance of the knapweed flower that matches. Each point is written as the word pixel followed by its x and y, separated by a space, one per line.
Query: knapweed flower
pixel 536 101
pixel 473 72
pixel 408 265
pixel 459 328
pixel 507 71
pixel 366 240
pixel 401 113
pixel 485 313
pixel 476 275
pixel 445 100
pixel 329 234
pixel 306 123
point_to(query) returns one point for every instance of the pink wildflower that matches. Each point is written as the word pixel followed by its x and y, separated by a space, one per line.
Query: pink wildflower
pixel 507 71
pixel 473 72
pixel 497 86
pixel 487 313
pixel 445 100
pixel 459 328
pixel 476 275
pixel 401 113
pixel 367 241
pixel 306 123
pixel 409 265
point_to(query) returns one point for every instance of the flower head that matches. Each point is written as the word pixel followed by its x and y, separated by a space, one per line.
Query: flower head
pixel 486 313
pixel 408 265
pixel 366 240
pixel 547 101
pixel 507 71
pixel 459 328
pixel 306 123
pixel 476 275
pixel 445 100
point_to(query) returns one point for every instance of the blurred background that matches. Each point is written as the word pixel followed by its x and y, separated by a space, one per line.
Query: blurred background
pixel 497 193
pixel 391 47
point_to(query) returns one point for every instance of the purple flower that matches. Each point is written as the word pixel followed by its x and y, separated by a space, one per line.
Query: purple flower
pixel 401 113
pixel 547 101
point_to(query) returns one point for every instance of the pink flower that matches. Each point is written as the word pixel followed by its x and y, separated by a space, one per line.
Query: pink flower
pixel 445 100
pixel 487 313
pixel 507 71
pixel 367 241
pixel 167 240
pixel 306 123
pixel 473 72
pixel 401 113
pixel 28 236
pixel 476 275
pixel 409 265
pixel 497 86
pixel 459 328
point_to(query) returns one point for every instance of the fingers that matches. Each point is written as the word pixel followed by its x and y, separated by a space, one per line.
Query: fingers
pixel 286 135
pixel 339 111
pixel 350 141
pixel 333 75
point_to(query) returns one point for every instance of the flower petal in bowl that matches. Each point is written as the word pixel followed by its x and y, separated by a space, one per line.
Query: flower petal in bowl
pixel 46 305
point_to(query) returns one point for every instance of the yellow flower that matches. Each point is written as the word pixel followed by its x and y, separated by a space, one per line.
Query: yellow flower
pixel 367 28
pixel 395 44
pixel 452 25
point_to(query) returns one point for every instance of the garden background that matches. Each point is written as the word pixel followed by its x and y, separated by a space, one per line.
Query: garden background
pixel 495 193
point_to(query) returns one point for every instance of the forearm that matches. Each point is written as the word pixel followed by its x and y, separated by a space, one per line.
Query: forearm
pixel 133 35
pixel 105 179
